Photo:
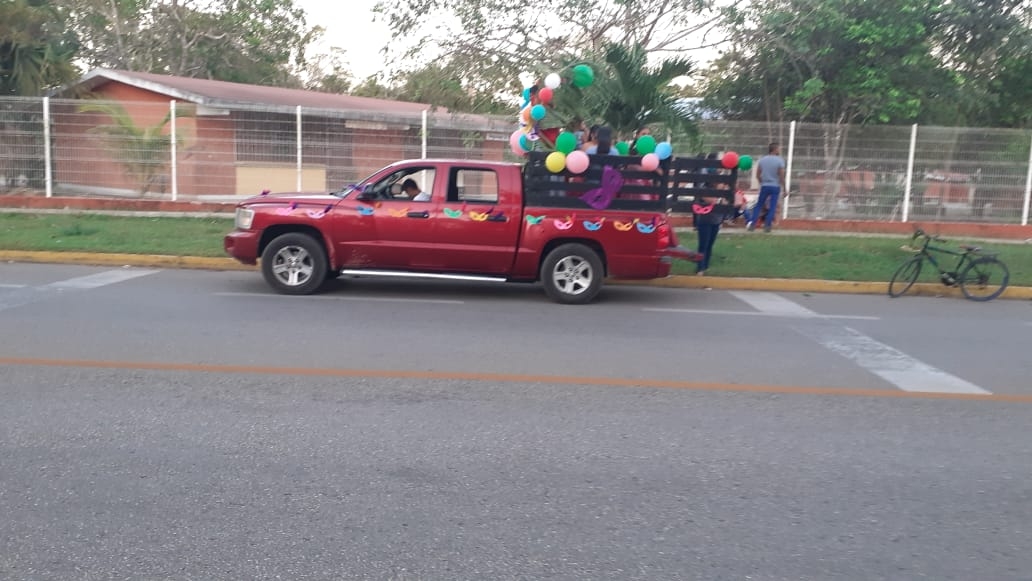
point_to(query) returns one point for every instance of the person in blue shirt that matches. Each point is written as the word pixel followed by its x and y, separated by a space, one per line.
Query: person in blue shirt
pixel 770 170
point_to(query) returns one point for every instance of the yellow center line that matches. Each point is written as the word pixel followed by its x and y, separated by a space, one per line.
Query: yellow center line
pixel 510 378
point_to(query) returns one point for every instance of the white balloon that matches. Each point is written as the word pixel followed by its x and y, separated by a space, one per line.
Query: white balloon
pixel 526 79
pixel 553 81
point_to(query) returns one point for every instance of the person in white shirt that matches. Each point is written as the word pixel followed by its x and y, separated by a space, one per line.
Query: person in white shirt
pixel 412 191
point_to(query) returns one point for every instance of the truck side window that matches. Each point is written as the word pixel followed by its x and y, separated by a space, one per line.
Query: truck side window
pixel 391 186
pixel 477 186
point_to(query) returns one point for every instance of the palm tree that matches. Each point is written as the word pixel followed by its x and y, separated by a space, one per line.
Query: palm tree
pixel 36 53
pixel 143 151
pixel 633 94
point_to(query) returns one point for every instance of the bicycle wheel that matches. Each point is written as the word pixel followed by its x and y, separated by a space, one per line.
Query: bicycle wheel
pixel 905 277
pixel 984 279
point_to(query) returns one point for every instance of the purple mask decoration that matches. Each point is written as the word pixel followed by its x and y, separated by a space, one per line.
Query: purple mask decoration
pixel 600 197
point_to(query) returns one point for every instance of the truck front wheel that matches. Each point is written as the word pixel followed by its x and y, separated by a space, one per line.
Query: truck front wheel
pixel 572 274
pixel 294 264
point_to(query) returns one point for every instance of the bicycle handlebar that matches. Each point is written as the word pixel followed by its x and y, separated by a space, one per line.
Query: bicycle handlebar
pixel 918 233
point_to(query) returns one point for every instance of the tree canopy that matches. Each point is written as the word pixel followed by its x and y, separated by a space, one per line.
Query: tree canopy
pixel 875 61
pixel 36 52
pixel 947 62
pixel 490 41
pixel 247 41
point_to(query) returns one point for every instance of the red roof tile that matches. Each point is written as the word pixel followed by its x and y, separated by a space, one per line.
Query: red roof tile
pixel 226 94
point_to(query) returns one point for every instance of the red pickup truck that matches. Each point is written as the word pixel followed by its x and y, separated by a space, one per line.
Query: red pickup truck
pixel 491 221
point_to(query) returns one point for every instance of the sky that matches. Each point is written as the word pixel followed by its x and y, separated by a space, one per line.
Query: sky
pixel 350 25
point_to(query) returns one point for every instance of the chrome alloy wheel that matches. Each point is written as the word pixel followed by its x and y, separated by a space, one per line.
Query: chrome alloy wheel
pixel 293 266
pixel 573 275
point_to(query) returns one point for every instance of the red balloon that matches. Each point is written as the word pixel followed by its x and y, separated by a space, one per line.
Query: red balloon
pixel 545 95
pixel 730 160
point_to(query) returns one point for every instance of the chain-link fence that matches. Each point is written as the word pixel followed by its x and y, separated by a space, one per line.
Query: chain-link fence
pixel 22 144
pixel 891 172
pixel 182 151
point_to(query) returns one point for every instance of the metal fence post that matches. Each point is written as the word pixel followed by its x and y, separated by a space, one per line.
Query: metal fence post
pixel 788 170
pixel 1028 189
pixel 172 137
pixel 48 172
pixel 424 135
pixel 300 181
pixel 910 173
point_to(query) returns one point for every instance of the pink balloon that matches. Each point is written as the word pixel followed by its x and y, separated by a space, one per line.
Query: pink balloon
pixel 649 162
pixel 577 162
pixel 514 142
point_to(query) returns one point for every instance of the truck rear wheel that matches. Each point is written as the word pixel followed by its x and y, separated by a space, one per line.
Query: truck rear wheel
pixel 572 274
pixel 294 264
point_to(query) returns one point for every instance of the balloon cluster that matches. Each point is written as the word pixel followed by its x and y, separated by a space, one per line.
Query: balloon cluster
pixel 731 160
pixel 536 100
pixel 564 157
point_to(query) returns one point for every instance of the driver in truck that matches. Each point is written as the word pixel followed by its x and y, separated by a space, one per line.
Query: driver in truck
pixel 412 191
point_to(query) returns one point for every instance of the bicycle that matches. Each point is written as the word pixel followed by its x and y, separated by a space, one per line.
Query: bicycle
pixel 979 274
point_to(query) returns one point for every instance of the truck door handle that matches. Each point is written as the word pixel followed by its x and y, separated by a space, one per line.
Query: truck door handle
pixel 423 214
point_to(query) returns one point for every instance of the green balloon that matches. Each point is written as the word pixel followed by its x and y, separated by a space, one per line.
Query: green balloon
pixel 583 76
pixel 623 147
pixel 745 163
pixel 566 142
pixel 646 144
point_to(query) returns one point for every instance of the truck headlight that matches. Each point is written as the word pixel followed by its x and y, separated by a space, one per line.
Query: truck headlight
pixel 244 217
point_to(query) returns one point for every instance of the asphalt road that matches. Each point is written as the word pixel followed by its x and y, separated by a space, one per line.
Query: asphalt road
pixel 192 425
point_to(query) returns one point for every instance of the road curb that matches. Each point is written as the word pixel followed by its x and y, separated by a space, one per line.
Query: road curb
pixel 676 281
pixel 141 260
pixel 820 286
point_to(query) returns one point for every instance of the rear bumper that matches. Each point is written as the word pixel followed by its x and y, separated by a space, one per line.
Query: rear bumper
pixel 242 245
pixel 659 265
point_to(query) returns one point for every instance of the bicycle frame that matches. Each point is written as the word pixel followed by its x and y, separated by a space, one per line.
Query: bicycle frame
pixel 927 249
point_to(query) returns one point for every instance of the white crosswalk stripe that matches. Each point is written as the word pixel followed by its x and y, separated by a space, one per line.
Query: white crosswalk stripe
pixel 773 304
pixel 721 313
pixel 887 362
pixel 30 294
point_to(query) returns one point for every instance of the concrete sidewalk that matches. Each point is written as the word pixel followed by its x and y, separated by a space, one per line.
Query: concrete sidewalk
pixel 677 281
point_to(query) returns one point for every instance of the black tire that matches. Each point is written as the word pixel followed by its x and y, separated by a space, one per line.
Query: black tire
pixel 294 264
pixel 572 274
pixel 984 279
pixel 905 276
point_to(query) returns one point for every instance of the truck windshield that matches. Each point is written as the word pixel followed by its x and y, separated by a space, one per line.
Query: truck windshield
pixel 344 191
